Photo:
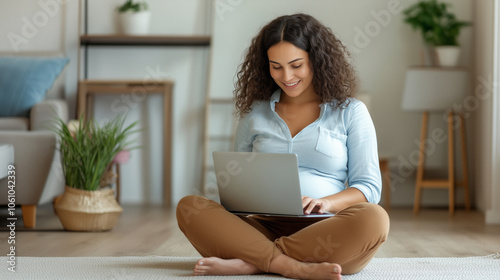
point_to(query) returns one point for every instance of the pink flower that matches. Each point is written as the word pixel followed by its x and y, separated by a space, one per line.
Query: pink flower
pixel 122 157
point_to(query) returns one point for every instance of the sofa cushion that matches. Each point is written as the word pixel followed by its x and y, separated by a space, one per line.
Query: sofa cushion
pixel 24 82
pixel 6 158
pixel 14 123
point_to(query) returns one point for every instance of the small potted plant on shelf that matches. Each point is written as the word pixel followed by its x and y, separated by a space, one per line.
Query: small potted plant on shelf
pixel 439 28
pixel 134 17
pixel 88 152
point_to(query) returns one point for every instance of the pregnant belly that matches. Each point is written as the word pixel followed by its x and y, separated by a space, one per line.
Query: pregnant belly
pixel 316 186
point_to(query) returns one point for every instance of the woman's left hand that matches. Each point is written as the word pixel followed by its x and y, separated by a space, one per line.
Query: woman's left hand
pixel 311 205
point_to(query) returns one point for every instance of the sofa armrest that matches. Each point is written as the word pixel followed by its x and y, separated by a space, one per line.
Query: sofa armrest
pixel 39 173
pixel 44 115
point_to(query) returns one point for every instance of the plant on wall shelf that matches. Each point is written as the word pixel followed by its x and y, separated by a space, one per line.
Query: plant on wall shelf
pixel 134 18
pixel 439 28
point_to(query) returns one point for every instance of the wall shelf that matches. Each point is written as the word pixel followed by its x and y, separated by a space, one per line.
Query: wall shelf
pixel 147 40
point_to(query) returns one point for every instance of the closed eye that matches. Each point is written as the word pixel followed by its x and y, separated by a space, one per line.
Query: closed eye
pixel 296 66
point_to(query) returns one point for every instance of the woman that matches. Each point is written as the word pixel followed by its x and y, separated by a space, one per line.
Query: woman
pixel 293 96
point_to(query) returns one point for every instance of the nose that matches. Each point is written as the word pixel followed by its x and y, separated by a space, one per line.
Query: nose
pixel 287 75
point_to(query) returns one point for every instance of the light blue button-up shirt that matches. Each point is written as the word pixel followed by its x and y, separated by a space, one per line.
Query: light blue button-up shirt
pixel 339 147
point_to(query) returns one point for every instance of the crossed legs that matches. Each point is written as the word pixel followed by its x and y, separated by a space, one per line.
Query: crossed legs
pixel 231 245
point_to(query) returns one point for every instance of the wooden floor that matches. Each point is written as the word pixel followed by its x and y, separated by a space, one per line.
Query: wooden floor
pixel 153 231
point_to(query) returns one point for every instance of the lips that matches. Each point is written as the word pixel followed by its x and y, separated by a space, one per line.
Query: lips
pixel 291 85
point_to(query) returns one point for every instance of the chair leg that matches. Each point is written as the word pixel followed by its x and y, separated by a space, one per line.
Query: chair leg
pixel 464 162
pixel 29 215
pixel 386 182
pixel 421 163
pixel 416 203
pixel 451 164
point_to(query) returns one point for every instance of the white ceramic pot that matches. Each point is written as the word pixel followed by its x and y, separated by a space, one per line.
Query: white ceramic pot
pixel 135 23
pixel 447 56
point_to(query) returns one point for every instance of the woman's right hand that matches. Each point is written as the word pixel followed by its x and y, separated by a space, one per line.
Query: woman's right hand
pixel 312 205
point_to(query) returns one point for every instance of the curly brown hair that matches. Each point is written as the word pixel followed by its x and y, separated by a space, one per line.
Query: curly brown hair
pixel 334 78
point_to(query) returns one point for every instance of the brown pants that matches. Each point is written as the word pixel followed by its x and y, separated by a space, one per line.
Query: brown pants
pixel 350 238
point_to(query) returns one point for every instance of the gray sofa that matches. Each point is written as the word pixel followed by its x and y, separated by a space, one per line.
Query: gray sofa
pixel 39 176
pixel 30 144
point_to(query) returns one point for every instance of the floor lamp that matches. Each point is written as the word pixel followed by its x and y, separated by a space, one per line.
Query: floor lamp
pixel 429 89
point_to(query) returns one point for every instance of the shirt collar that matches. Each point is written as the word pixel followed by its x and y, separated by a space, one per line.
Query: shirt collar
pixel 275 98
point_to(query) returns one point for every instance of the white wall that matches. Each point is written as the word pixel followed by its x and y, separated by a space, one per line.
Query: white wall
pixel 483 118
pixel 27 25
pixel 486 119
pixel 493 213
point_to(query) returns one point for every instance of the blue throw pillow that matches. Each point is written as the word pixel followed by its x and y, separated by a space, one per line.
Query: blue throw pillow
pixel 24 82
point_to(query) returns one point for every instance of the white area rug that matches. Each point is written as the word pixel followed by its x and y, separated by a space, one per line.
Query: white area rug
pixel 156 267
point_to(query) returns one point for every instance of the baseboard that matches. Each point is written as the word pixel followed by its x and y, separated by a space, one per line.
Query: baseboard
pixel 493 217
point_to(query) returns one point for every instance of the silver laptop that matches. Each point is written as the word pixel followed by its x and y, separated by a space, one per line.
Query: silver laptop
pixel 260 183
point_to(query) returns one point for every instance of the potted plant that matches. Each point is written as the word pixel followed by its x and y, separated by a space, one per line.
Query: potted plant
pixel 134 18
pixel 87 152
pixel 439 28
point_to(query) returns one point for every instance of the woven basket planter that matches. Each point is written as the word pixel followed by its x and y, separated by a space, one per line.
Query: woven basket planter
pixel 81 210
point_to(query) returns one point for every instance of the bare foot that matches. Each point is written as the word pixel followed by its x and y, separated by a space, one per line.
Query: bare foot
pixel 217 266
pixel 292 268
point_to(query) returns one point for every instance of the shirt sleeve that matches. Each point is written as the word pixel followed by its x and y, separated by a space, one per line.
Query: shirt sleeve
pixel 363 162
pixel 243 137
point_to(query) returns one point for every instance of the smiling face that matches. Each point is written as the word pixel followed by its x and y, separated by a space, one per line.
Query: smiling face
pixel 290 68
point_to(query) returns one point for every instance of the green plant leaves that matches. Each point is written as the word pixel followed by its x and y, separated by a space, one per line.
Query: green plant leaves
pixel 87 154
pixel 129 5
pixel 438 26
